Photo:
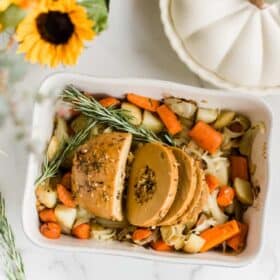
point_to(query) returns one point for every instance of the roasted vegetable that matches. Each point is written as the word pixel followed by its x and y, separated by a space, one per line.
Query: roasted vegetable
pixel 218 234
pixel 148 239
pixel 222 171
pixel 143 102
pixel 193 244
pixel 66 180
pixel 240 124
pixel 80 221
pixel 109 101
pixel 203 225
pixel 173 235
pixel 230 210
pixel 225 196
pixel 141 234
pixel 65 196
pixel 194 150
pixel 151 122
pixel 182 108
pixel 214 209
pixel 111 224
pixel 46 194
pixel 206 137
pixel 182 137
pixel 82 231
pixel 82 213
pixel 161 246
pixel 133 112
pixel 170 120
pixel 100 233
pixel 248 138
pixel 206 115
pixel 53 148
pixel 239 167
pixel 79 123
pixel 224 119
pixel 66 217
pixel 237 242
pixel 230 140
pixel 218 166
pixel 243 191
pixel 51 230
pixel 212 182
pixel 58 140
pixel 61 131
pixel 47 215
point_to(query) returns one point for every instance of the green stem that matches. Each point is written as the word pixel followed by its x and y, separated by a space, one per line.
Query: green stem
pixel 10 257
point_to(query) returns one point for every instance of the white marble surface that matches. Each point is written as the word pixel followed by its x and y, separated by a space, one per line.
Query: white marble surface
pixel 133 46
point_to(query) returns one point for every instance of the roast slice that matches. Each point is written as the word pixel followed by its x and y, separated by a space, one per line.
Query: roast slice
pixel 152 185
pixel 186 187
pixel 199 200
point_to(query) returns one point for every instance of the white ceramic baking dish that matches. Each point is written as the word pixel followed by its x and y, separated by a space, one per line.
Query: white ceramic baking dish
pixel 43 114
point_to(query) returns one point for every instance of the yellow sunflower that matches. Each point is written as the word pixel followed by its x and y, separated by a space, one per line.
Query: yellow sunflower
pixel 54 32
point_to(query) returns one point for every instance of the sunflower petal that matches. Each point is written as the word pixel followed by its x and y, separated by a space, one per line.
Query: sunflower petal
pixel 73 50
pixel 28 43
pixel 85 34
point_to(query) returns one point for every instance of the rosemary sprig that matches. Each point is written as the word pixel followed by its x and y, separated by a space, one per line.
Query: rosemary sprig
pixel 50 168
pixel 113 117
pixel 11 258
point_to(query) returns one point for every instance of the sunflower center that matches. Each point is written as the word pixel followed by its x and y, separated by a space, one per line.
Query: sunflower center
pixel 55 27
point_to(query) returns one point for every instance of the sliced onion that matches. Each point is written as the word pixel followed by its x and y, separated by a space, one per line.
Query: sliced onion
pixel 215 210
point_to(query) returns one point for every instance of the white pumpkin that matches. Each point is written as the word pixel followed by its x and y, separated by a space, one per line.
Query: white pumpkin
pixel 231 43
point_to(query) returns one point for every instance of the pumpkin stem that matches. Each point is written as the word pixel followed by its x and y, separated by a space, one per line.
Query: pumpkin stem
pixel 258 3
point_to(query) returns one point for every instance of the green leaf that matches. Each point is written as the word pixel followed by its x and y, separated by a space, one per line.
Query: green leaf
pixel 11 17
pixel 97 11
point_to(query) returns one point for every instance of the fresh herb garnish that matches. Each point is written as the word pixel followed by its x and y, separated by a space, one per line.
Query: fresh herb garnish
pixel 116 118
pixel 10 257
pixel 50 168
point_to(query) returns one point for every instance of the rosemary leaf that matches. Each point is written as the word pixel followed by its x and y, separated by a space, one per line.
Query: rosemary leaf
pixel 50 169
pixel 10 257
pixel 116 118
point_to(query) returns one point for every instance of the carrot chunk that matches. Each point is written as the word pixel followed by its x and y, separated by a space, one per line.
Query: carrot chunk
pixel 239 167
pixel 225 196
pixel 169 119
pixel 82 231
pixel 212 182
pixel 143 102
pixel 66 180
pixel 51 230
pixel 161 246
pixel 206 137
pixel 65 196
pixel 109 101
pixel 140 234
pixel 237 242
pixel 218 234
pixel 47 215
